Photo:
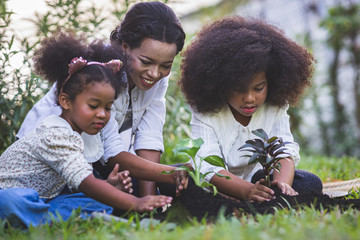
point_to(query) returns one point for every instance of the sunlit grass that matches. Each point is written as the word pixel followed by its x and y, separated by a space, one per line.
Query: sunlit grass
pixel 306 223
pixel 285 224
pixel 331 168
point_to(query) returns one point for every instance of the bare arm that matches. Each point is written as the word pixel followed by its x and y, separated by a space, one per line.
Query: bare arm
pixel 147 170
pixel 241 189
pixel 285 177
pixel 104 192
pixel 287 171
pixel 147 187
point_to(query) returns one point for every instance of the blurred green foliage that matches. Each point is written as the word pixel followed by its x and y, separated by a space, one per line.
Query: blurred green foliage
pixel 20 88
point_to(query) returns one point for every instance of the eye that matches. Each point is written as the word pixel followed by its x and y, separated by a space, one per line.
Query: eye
pixel 259 88
pixel 167 66
pixel 92 106
pixel 145 62
pixel 108 107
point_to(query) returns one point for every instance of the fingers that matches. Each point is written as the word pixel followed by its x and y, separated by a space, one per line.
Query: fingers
pixel 125 180
pixel 181 181
pixel 150 202
pixel 125 173
pixel 128 187
pixel 115 171
pixel 260 192
pixel 130 190
pixel 287 189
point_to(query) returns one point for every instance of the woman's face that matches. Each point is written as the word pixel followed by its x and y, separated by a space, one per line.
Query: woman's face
pixel 243 105
pixel 149 63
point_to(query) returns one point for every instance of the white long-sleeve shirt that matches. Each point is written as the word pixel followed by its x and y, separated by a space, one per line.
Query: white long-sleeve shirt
pixel 223 136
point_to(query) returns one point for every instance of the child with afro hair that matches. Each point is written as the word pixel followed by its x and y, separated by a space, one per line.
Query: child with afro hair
pixel 239 75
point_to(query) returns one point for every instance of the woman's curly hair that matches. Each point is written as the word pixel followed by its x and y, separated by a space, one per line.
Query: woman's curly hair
pixel 52 59
pixel 226 54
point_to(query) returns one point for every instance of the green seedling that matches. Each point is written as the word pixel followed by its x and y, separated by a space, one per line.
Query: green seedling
pixel 266 151
pixel 190 147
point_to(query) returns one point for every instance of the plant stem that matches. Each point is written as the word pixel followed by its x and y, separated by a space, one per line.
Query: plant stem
pixel 267 180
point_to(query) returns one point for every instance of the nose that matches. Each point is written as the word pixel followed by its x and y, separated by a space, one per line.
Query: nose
pixel 154 72
pixel 101 113
pixel 249 97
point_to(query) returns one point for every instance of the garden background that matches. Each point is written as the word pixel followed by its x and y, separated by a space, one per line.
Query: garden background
pixel 326 122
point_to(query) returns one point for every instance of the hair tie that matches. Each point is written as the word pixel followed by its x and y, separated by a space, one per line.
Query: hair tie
pixel 78 63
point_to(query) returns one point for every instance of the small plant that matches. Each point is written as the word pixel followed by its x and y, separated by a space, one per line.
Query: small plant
pixel 190 147
pixel 354 193
pixel 266 151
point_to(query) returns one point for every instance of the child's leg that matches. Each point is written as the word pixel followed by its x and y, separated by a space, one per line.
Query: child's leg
pixel 304 181
pixel 64 205
pixel 22 207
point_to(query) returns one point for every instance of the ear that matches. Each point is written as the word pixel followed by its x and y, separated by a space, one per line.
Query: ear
pixel 125 46
pixel 64 101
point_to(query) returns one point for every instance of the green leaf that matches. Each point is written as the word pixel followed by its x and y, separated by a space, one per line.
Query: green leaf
pixel 167 172
pixel 207 173
pixel 214 190
pixel 180 168
pixel 254 158
pixel 206 184
pixel 215 160
pixel 252 148
pixel 221 175
pixel 188 146
pixel 277 166
pixel 258 143
pixel 269 159
pixel 193 176
pixel 183 168
pixel 272 139
pixel 275 147
pixel 261 134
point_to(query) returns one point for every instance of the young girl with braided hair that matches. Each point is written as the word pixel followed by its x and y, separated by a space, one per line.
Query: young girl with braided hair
pixel 239 75
pixel 36 168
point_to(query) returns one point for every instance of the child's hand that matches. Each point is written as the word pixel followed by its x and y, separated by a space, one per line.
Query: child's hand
pixel 120 180
pixel 285 188
pixel 260 193
pixel 148 203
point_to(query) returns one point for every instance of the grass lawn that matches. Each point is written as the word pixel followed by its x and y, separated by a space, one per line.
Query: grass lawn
pixel 285 224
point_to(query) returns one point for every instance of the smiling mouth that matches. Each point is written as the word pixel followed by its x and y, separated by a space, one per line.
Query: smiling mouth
pixel 148 81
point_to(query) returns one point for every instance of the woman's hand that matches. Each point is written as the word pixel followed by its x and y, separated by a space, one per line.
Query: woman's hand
pixel 120 180
pixel 181 178
pixel 260 193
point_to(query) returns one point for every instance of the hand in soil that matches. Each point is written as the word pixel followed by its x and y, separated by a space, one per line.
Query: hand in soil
pixel 260 193
pixel 285 188
pixel 181 179
pixel 150 202
pixel 120 180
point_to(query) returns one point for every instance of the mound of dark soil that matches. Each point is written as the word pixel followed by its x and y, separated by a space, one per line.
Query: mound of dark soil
pixel 201 204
